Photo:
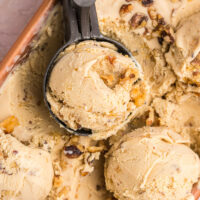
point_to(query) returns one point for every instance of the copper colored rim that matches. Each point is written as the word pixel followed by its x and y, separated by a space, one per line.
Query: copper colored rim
pixel 21 43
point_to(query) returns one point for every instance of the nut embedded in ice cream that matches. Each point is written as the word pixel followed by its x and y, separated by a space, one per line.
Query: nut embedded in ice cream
pixel 93 86
pixel 25 172
pixel 151 163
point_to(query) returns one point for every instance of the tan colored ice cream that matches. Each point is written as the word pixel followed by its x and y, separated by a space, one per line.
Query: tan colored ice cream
pixel 147 28
pixel 93 86
pixel 25 116
pixel 142 26
pixel 180 112
pixel 171 11
pixel 184 55
pixel 25 172
pixel 151 163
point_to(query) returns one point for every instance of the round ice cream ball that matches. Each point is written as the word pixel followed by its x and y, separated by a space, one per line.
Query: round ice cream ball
pixel 184 54
pixel 25 172
pixel 93 86
pixel 151 163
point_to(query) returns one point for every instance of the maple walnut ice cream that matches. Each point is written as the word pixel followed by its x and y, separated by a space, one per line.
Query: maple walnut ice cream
pixel 163 36
pixel 184 55
pixel 151 163
pixel 93 86
pixel 24 170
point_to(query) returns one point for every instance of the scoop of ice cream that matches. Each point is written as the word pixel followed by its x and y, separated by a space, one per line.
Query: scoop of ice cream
pixel 25 173
pixel 184 55
pixel 151 163
pixel 93 86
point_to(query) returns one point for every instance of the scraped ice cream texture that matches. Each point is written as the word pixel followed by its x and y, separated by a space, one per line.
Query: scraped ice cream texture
pixel 184 55
pixel 93 86
pixel 25 172
pixel 163 36
pixel 151 163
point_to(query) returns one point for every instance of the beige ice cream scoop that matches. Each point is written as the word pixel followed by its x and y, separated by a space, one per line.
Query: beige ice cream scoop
pixel 92 86
pixel 25 172
pixel 151 163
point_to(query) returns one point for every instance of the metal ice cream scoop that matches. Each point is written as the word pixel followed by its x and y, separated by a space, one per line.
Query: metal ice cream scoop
pixel 81 24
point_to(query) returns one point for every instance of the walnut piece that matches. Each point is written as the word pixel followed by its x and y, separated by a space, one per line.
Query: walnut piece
pixel 152 13
pixel 125 8
pixel 147 2
pixel 72 151
pixel 9 124
pixel 138 20
pixel 57 181
pixel 160 20
pixel 63 192
pixel 138 95
pixel 166 36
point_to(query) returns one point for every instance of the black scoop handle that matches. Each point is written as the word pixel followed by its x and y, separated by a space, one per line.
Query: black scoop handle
pixel 81 23
pixel 84 3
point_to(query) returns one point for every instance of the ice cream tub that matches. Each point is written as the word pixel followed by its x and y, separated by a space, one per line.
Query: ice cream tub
pixel 25 119
pixel 79 167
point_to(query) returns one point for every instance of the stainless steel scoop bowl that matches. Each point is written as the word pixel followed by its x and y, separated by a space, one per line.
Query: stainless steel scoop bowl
pixel 81 24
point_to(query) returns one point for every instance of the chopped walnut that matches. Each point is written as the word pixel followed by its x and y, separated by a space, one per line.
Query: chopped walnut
pixel 108 79
pixel 83 173
pixel 72 151
pixel 147 2
pixel 125 8
pixel 152 13
pixel 166 36
pixel 138 95
pixel 63 192
pixel 9 124
pixel 57 181
pixel 160 20
pixel 138 20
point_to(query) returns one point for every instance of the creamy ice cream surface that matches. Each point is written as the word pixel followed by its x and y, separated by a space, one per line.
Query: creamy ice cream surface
pixel 107 93
pixel 25 172
pixel 151 163
pixel 25 116
pixel 180 112
pixel 93 86
pixel 184 55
